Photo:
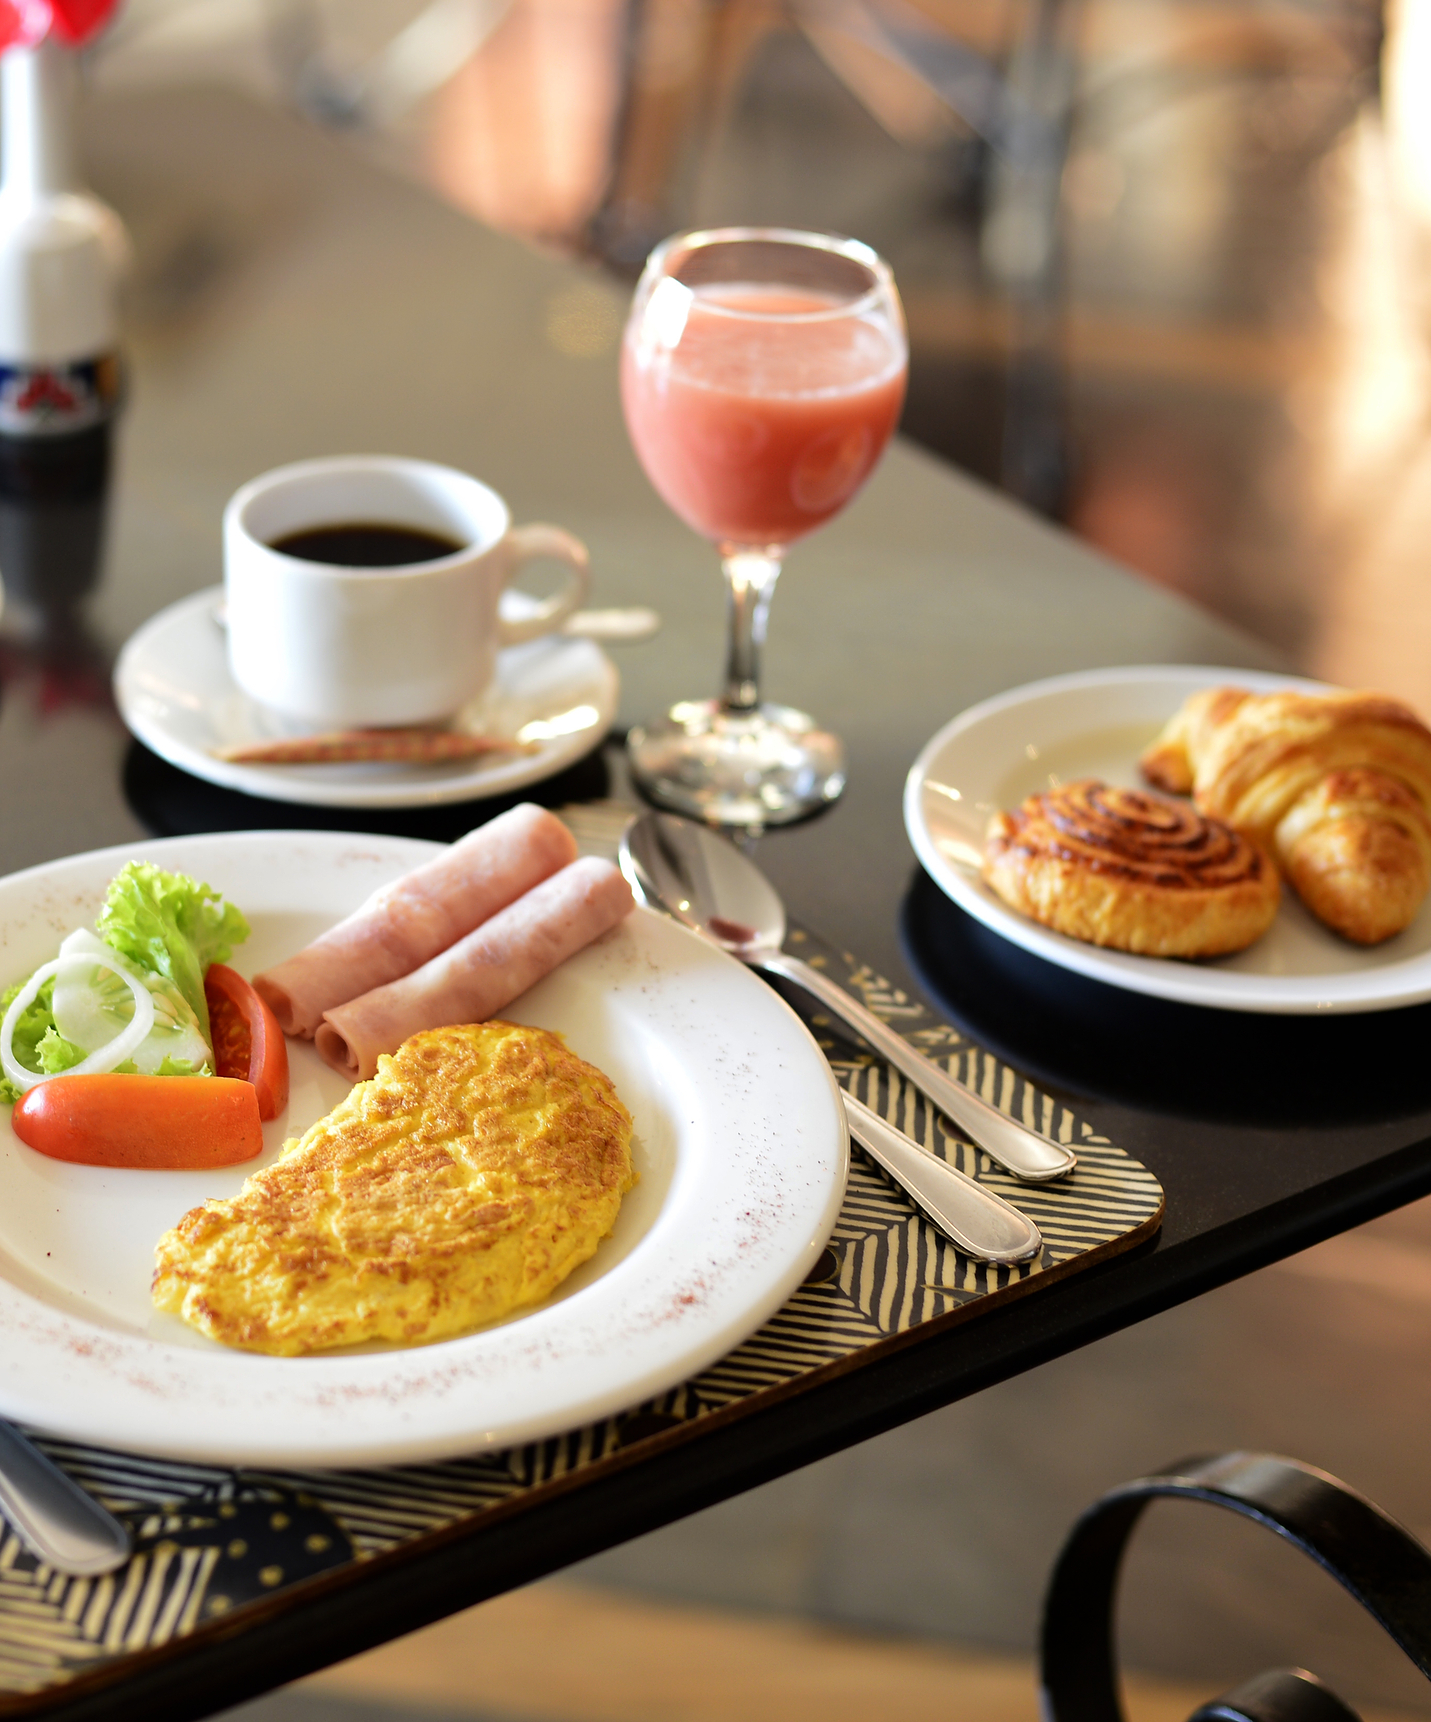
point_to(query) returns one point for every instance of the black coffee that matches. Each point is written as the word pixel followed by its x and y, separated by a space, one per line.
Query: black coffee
pixel 366 544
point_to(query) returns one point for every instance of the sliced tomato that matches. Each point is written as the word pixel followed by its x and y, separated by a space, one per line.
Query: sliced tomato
pixel 163 1123
pixel 248 1043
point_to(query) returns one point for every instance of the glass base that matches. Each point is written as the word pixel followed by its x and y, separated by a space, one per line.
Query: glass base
pixel 761 767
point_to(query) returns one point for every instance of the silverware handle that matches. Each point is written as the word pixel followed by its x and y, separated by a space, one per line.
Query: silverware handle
pixel 614 626
pixel 1017 1149
pixel 64 1526
pixel 981 1223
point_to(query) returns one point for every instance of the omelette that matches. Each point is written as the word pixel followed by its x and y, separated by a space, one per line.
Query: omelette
pixel 466 1179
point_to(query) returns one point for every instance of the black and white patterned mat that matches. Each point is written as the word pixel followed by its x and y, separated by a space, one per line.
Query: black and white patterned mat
pixel 210 1540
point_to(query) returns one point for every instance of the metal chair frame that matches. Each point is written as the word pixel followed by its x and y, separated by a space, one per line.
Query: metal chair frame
pixel 1371 1556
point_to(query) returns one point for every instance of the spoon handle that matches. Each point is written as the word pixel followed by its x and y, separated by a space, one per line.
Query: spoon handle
pixel 613 626
pixel 981 1223
pixel 64 1526
pixel 1017 1149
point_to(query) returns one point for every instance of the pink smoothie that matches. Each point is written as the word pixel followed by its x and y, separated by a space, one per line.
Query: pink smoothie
pixel 759 426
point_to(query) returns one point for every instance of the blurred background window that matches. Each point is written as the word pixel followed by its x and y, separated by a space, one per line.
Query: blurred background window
pixel 1161 258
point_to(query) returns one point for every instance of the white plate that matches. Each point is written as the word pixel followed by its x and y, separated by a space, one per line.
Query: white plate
pixel 174 691
pixel 1095 724
pixel 740 1143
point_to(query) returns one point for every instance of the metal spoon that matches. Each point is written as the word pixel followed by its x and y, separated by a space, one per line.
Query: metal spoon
pixel 980 1223
pixel 62 1524
pixel 705 882
pixel 613 627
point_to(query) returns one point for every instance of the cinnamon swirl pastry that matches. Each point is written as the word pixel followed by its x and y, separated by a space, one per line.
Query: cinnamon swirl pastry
pixel 1132 870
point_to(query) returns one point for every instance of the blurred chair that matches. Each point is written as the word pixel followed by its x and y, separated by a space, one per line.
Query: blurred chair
pixel 377 90
pixel 364 67
pixel 1369 1554
pixel 599 126
pixel 997 80
pixel 1017 99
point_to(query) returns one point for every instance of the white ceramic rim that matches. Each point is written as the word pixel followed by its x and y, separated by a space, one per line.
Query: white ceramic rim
pixel 488 776
pixel 1394 984
pixel 421 479
pixel 759 1179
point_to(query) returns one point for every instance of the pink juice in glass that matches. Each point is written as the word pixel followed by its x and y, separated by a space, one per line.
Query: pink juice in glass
pixel 766 414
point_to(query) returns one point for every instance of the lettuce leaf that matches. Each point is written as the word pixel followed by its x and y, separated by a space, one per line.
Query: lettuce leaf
pixel 170 925
pixel 55 1054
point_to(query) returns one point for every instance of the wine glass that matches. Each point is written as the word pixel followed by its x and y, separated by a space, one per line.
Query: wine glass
pixel 762 372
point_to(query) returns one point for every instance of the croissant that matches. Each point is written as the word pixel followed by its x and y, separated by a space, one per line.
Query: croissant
pixel 1338 786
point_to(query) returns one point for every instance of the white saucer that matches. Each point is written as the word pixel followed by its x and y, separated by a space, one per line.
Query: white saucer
pixel 1095 724
pixel 174 691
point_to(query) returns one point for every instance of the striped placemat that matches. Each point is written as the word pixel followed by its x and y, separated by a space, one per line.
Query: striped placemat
pixel 210 1540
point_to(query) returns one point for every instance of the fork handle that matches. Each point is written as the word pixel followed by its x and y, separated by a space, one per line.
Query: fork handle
pixel 1017 1149
pixel 66 1527
pixel 980 1223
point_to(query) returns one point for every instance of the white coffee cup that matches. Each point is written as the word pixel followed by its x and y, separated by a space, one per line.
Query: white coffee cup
pixel 340 647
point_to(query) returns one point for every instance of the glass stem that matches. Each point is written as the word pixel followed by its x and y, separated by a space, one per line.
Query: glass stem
pixel 750 577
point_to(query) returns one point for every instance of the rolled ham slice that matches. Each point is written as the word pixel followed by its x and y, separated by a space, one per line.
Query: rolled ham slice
pixel 406 924
pixel 485 972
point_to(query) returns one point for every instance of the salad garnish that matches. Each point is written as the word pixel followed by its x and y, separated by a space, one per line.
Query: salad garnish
pixel 128 997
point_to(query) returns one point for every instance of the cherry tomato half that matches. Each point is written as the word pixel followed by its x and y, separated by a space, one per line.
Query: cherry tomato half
pixel 163 1123
pixel 248 1043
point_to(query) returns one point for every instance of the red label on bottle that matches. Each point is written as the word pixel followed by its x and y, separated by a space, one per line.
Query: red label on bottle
pixel 49 400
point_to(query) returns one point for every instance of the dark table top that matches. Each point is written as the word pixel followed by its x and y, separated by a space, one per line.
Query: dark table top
pixel 293 299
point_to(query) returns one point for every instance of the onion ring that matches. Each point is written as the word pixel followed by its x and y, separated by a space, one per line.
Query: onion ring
pixel 114 1052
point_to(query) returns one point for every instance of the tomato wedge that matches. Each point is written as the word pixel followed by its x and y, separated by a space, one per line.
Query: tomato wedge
pixel 163 1123
pixel 248 1043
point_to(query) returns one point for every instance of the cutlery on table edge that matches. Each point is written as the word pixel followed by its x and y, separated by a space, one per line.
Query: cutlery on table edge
pixel 754 930
pixel 54 1517
pixel 979 1222
pixel 614 627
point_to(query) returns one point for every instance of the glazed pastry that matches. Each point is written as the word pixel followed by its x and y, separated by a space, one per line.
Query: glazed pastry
pixel 1337 786
pixel 1132 870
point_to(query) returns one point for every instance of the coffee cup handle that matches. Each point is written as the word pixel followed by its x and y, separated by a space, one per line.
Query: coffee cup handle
pixel 526 543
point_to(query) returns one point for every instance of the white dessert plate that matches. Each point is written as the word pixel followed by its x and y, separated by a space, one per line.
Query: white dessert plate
pixel 174 691
pixel 740 1144
pixel 1095 724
